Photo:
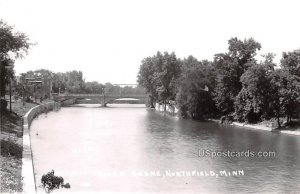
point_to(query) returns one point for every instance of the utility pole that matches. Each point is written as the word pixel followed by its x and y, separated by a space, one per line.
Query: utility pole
pixel 23 94
pixel 9 67
pixel 34 94
pixel 10 94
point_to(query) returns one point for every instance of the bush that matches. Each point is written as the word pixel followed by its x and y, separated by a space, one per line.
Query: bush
pixel 50 182
pixel 9 148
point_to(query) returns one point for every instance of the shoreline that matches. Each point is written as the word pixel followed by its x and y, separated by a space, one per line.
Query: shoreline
pixel 28 172
pixel 12 134
pixel 29 182
pixel 266 128
pixel 261 127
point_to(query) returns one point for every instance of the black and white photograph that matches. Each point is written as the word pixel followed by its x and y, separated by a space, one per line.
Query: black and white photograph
pixel 150 96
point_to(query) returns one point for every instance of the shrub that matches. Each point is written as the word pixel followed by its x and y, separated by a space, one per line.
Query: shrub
pixel 9 148
pixel 50 182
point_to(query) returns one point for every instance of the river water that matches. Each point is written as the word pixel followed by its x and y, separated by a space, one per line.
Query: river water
pixel 134 149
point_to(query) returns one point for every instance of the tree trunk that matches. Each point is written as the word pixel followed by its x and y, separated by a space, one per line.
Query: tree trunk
pixel 151 101
pixel 278 121
pixel 152 105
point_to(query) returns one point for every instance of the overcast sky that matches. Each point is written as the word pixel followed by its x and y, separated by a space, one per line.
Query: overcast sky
pixel 108 39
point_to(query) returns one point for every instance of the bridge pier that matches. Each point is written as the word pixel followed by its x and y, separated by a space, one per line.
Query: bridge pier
pixel 103 104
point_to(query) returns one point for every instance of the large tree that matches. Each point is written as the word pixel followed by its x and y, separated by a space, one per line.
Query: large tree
pixel 146 79
pixel 285 91
pixel 166 75
pixel 230 68
pixel 13 45
pixel 158 75
pixel 194 95
pixel 291 62
pixel 252 103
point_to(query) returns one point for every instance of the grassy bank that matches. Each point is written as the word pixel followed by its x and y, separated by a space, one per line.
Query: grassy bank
pixel 11 152
pixel 11 146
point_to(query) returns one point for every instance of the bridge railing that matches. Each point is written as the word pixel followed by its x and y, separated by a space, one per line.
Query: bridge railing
pixel 80 95
pixel 108 95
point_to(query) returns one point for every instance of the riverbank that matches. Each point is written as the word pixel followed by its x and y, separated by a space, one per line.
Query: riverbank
pixel 292 130
pixel 11 152
pixel 12 146
pixel 268 126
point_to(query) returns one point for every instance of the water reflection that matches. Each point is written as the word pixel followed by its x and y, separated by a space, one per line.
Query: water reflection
pixel 83 143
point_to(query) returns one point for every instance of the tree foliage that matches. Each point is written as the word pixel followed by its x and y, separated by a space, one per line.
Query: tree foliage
pixel 158 75
pixel 93 87
pixel 147 80
pixel 193 99
pixel 238 85
pixel 230 68
pixel 252 103
pixel 13 45
pixel 285 92
pixel 291 62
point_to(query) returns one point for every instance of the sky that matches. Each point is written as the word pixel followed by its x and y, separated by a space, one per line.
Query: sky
pixel 107 40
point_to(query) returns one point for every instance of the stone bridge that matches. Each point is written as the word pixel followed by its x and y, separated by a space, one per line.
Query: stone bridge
pixel 102 99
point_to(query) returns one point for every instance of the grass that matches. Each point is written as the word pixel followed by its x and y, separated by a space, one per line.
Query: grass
pixel 11 127
pixel 21 110
pixel 11 152
pixel 11 174
pixel 9 148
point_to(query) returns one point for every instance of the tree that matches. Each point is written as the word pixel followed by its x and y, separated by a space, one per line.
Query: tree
pixel 41 73
pixel 59 82
pixel 6 73
pixel 252 102
pixel 291 62
pixel 93 87
pixel 230 68
pixel 166 74
pixel 147 80
pixel 158 75
pixel 285 91
pixel 13 45
pixel 227 86
pixel 75 81
pixel 112 89
pixel 194 95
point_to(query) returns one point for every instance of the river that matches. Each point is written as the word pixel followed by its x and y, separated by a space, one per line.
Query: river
pixel 133 149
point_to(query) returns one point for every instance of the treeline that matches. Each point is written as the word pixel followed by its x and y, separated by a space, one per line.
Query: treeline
pixel 74 82
pixel 232 86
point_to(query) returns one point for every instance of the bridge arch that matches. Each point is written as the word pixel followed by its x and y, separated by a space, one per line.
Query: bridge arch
pixel 103 99
pixel 126 100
